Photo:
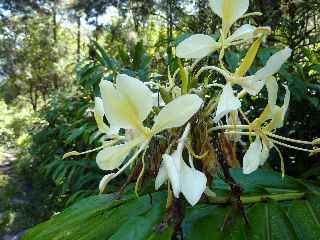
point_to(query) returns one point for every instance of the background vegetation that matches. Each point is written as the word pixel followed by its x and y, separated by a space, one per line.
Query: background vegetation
pixel 53 55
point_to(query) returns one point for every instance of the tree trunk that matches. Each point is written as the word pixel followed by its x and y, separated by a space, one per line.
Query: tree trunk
pixel 169 30
pixel 78 38
pixel 33 95
pixel 54 21
pixel 96 32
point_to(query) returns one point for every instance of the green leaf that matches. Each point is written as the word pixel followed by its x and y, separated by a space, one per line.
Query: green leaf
pixel 111 217
pixel 316 68
pixel 232 60
pixel 204 222
pixel 269 221
pixel 101 217
pixel 212 222
pixel 165 234
pixel 314 101
pixel 133 229
pixel 76 133
pixel 305 217
pixel 263 181
pixel 104 58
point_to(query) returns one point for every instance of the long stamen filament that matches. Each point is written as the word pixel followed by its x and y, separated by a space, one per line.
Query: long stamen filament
pixel 244 116
pixel 136 154
pixel 215 85
pixel 288 139
pixel 240 133
pixel 272 140
pixel 225 127
pixel 290 146
pixel 201 70
pixel 281 161
pixel 251 14
pixel 75 153
pixel 139 179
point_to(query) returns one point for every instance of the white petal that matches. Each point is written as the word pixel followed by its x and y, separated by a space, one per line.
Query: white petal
pixel 272 88
pixel 286 100
pixel 177 112
pixel 279 113
pixel 162 176
pixel 264 154
pixel 173 173
pixel 112 157
pixel 118 110
pixel 98 106
pixel 227 103
pixel 157 100
pixel 252 85
pixel 98 115
pixel 244 32
pixel 274 63
pixel 229 10
pixel 193 183
pixel 196 46
pixel 182 141
pixel 137 94
pixel 251 159
pixel 104 181
pixel 113 131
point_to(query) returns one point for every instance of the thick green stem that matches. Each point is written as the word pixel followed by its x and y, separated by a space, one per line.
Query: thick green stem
pixel 259 198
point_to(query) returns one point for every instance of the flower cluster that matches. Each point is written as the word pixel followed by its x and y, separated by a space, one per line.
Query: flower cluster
pixel 128 102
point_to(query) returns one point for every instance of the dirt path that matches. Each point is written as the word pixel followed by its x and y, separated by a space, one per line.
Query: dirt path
pixel 8 198
pixel 6 160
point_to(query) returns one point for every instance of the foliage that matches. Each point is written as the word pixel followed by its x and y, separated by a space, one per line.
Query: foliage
pixel 112 217
pixel 68 123
pixel 14 124
pixel 57 135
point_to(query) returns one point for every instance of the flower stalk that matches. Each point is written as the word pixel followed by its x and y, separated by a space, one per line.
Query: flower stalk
pixel 259 198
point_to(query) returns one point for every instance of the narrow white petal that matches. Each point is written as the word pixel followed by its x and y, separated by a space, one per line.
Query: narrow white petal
pixel 274 63
pixel 157 100
pixel 98 106
pixel 98 115
pixel 113 131
pixel 118 110
pixel 278 113
pixel 272 88
pixel 112 157
pixel 104 181
pixel 193 183
pixel 251 159
pixel 264 154
pixel 227 103
pixel 137 94
pixel 229 10
pixel 252 85
pixel 182 142
pixel 177 112
pixel 196 46
pixel 286 101
pixel 245 32
pixel 173 174
pixel 162 176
